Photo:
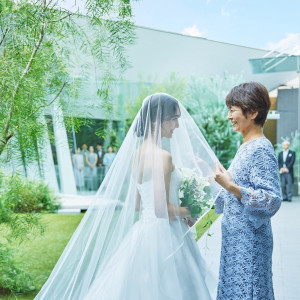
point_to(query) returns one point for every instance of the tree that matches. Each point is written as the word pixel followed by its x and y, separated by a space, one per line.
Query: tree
pixel 36 67
pixel 36 71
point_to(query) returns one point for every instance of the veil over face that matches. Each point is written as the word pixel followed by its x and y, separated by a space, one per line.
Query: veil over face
pixel 140 187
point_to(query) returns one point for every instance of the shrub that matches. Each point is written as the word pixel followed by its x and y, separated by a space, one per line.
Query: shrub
pixel 218 132
pixel 20 200
pixel 25 195
pixel 12 278
pixel 15 227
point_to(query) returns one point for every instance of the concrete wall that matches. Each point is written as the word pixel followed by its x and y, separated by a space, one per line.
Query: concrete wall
pixel 158 53
pixel 287 106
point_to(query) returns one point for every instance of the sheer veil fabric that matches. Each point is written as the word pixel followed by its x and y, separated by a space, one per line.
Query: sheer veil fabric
pixel 133 242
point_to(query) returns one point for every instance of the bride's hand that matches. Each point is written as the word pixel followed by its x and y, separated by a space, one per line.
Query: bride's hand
pixel 191 221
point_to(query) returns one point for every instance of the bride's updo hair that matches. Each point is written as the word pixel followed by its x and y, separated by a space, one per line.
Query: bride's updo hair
pixel 156 105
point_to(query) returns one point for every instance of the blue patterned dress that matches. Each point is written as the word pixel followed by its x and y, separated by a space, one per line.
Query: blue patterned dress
pixel 247 240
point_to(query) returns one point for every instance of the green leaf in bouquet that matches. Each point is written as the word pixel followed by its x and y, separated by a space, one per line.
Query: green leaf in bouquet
pixel 206 190
pixel 195 211
pixel 207 197
pixel 190 200
pixel 184 201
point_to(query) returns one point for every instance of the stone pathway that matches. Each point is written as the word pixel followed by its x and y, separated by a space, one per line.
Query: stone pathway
pixel 286 254
pixel 74 204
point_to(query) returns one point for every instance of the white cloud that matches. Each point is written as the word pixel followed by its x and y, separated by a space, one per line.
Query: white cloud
pixel 225 13
pixel 290 44
pixel 193 31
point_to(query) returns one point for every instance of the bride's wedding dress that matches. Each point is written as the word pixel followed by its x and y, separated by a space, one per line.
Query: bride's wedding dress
pixel 140 268
pixel 133 243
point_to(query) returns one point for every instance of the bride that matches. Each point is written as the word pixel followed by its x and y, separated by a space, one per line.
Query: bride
pixel 133 242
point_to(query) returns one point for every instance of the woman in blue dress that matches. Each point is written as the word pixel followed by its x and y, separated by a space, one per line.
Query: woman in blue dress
pixel 249 197
pixel 108 158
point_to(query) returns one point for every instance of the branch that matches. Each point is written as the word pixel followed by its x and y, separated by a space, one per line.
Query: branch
pixel 57 20
pixel 26 70
pixel 7 137
pixel 36 48
pixel 4 35
pixel 4 141
pixel 48 104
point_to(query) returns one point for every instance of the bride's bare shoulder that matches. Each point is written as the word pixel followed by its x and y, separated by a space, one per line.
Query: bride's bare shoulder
pixel 168 161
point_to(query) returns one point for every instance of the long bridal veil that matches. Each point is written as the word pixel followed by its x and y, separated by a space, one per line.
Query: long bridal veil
pixel 139 197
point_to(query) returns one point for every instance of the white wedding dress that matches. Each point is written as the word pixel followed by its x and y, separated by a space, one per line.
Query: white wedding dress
pixel 147 266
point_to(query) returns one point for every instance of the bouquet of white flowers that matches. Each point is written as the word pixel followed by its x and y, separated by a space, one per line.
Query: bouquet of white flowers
pixel 194 192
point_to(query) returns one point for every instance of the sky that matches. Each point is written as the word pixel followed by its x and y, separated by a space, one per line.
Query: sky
pixel 265 24
pixel 255 23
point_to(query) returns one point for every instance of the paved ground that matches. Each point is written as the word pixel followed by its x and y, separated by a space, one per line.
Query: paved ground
pixel 286 255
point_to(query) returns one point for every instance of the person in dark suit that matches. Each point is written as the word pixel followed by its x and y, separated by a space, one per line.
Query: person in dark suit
pixel 100 166
pixel 286 160
pixel 100 153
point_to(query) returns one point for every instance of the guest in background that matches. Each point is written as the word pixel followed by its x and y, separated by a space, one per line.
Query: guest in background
pixel 286 160
pixel 78 163
pixel 91 160
pixel 100 166
pixel 85 152
pixel 108 158
pixel 100 153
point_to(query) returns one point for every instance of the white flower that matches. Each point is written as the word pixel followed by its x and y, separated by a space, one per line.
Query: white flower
pixel 181 194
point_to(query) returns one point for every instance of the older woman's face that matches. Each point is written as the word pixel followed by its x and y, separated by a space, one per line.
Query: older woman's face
pixel 239 122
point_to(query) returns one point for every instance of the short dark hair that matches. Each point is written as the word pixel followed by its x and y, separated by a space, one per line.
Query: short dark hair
pixel 251 97
pixel 168 105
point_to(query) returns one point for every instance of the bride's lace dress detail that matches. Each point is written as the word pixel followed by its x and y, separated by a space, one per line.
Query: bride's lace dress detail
pixel 143 266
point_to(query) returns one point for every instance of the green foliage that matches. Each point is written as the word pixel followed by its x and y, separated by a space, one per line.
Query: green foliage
pixel 42 253
pixel 20 199
pixel 294 140
pixel 41 45
pixel 204 224
pixel 205 101
pixel 24 195
pixel 15 227
pixel 13 279
pixel 217 130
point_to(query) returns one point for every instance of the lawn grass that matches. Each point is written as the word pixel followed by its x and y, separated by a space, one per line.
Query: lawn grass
pixel 204 224
pixel 42 253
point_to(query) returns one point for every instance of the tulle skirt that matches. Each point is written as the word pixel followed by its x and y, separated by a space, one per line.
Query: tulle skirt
pixel 154 262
